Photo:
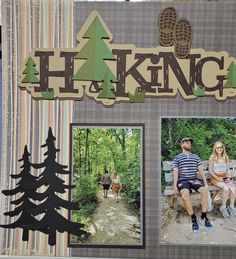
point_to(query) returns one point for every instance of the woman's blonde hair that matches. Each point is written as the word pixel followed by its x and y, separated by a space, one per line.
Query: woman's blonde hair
pixel 214 154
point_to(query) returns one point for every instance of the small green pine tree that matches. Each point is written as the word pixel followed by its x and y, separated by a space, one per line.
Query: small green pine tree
pixel 107 89
pixel 30 72
pixel 231 76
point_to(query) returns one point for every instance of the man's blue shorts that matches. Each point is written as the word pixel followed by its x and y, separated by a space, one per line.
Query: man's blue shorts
pixel 189 184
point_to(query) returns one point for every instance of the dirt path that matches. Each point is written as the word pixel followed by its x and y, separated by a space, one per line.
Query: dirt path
pixel 114 223
pixel 176 226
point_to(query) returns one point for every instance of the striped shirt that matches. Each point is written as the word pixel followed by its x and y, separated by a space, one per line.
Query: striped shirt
pixel 187 165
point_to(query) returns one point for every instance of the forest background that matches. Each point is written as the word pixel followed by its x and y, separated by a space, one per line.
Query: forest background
pixel 96 150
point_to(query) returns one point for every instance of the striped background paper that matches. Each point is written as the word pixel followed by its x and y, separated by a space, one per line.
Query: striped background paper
pixel 28 25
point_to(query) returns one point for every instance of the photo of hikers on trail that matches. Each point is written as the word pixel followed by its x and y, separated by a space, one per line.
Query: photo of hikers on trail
pixel 107 174
pixel 198 180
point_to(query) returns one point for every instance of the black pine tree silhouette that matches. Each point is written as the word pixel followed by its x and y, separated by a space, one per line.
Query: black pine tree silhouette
pixel 27 186
pixel 52 220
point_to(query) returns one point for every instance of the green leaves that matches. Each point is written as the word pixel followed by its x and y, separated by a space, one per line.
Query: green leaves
pixel 137 97
pixel 199 91
pixel 204 131
pixel 86 189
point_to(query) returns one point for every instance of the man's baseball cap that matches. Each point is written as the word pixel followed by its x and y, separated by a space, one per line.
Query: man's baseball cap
pixel 185 139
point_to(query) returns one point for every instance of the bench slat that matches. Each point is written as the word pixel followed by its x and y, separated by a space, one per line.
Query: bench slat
pixel 169 191
pixel 233 173
pixel 169 177
pixel 167 165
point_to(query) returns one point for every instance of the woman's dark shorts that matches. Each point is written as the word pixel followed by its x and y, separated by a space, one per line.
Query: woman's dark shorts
pixel 194 184
pixel 106 186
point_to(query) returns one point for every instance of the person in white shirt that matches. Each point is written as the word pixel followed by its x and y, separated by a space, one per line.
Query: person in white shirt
pixel 116 186
pixel 220 176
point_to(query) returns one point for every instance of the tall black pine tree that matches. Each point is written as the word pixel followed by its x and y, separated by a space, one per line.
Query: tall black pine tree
pixel 27 186
pixel 52 220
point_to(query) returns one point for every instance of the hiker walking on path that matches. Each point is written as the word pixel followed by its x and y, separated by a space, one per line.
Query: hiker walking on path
pixel 220 177
pixel 116 186
pixel 106 182
pixel 185 167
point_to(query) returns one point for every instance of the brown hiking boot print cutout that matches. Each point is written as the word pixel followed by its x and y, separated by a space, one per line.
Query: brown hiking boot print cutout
pixel 167 22
pixel 183 38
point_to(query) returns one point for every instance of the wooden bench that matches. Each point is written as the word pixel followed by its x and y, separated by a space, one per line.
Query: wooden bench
pixel 171 198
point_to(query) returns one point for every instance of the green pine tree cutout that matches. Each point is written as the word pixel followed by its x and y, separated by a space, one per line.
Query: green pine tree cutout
pixel 199 91
pixel 30 72
pixel 107 89
pixel 95 51
pixel 137 97
pixel 231 76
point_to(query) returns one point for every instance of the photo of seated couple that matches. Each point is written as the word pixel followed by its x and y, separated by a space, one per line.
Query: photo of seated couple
pixel 198 200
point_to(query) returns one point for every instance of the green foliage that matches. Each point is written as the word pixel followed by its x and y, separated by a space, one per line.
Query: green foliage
pixel 130 170
pixel 85 190
pixel 84 216
pixel 48 95
pixel 199 91
pixel 137 97
pixel 131 186
pixel 85 193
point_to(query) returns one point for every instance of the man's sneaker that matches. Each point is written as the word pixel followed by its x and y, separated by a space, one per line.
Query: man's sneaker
pixel 195 226
pixel 232 211
pixel 224 212
pixel 206 222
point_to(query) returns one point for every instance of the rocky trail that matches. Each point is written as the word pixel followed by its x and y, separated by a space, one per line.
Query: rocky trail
pixel 177 229
pixel 114 223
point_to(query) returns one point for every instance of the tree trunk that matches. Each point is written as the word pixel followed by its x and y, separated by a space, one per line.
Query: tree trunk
pixel 86 151
pixel 25 236
pixel 123 144
pixel 169 125
pixel 80 155
pixel 52 237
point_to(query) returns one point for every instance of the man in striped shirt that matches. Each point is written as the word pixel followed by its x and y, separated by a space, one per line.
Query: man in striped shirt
pixel 185 168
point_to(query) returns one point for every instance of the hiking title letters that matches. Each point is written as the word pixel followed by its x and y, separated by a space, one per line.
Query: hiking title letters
pixel 114 73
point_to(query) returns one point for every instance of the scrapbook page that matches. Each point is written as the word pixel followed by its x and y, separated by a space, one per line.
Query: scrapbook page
pixel 118 129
